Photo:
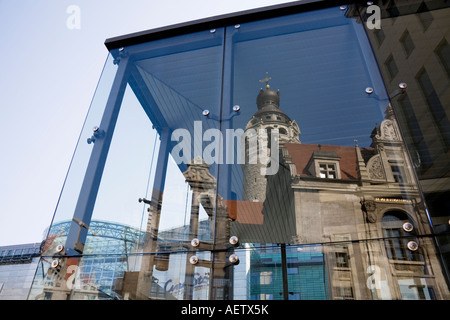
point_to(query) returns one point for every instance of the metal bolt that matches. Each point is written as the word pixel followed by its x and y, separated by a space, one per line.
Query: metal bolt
pixel 236 108
pixel 234 259
pixel 402 85
pixel 369 90
pixel 55 263
pixel 59 248
pixel 237 26
pixel 412 245
pixel 408 227
pixel 212 31
pixel 205 112
pixel 193 260
pixel 233 240
pixel 195 242
pixel 369 3
pixel 343 7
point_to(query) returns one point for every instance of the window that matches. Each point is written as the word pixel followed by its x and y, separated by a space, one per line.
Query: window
pixel 435 105
pixel 294 295
pixel 345 291
pixel 425 16
pixel 380 36
pixel 391 66
pixel 392 9
pixel 396 238
pixel 292 270
pixel 342 260
pixel 443 53
pixel 266 296
pixel 324 164
pixel 422 156
pixel 399 173
pixel 265 277
pixel 327 171
pixel 407 43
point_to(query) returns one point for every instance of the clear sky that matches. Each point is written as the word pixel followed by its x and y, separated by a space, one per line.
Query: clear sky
pixel 48 75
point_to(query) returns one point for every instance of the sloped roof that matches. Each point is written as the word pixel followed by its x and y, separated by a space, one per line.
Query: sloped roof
pixel 302 153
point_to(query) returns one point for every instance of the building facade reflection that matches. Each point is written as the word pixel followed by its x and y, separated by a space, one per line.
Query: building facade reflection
pixel 321 200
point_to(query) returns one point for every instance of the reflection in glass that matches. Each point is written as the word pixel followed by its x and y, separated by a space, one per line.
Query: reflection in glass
pixel 306 190
pixel 422 111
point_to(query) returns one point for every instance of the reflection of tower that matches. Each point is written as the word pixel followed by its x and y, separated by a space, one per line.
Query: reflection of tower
pixel 268 117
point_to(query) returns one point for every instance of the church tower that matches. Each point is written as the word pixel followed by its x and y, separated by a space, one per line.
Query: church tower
pixel 268 117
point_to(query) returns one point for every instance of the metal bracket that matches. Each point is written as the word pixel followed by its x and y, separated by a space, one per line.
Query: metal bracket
pixel 98 134
pixel 145 201
pixel 79 246
pixel 401 89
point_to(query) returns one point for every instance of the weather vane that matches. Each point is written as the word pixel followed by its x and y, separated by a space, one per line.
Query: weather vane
pixel 266 80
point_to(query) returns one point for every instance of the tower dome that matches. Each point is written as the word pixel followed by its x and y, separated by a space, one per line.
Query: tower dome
pixel 268 98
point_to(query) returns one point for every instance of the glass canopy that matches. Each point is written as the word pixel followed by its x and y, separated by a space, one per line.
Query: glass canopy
pixel 260 160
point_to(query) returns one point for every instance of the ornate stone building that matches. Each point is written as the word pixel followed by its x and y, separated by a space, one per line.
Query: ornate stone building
pixel 362 205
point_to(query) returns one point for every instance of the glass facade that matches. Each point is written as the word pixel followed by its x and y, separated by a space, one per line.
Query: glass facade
pixel 18 265
pixel 298 156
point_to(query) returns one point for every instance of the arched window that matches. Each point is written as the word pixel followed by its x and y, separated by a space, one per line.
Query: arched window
pixel 397 233
pixel 282 131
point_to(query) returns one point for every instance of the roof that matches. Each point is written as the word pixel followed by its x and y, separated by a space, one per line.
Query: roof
pixel 302 153
pixel 19 253
pixel 217 22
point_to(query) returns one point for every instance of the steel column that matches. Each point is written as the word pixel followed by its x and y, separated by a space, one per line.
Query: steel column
pixel 89 189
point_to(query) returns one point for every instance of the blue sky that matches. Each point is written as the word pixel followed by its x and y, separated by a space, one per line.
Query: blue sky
pixel 48 75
